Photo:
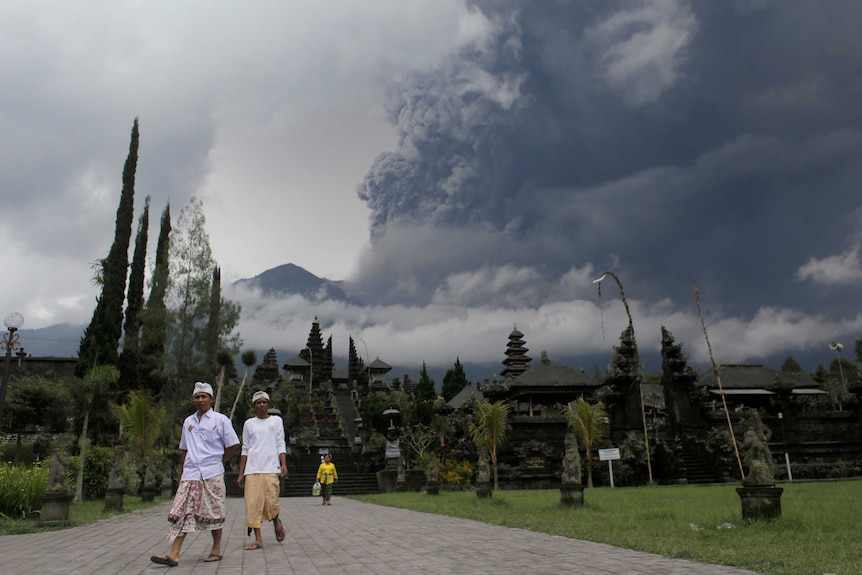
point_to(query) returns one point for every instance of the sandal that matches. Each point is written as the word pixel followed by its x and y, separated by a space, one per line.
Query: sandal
pixel 279 529
pixel 253 546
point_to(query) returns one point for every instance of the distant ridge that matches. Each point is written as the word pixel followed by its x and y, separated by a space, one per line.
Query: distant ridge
pixel 58 340
pixel 289 279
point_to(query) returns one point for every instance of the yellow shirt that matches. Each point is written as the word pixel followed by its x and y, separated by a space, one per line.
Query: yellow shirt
pixel 326 473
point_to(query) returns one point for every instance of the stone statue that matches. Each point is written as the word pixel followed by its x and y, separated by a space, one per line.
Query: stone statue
pixel 433 470
pixel 401 474
pixel 393 450
pixel 755 445
pixel 571 461
pixel 115 479
pixel 57 480
pixel 483 470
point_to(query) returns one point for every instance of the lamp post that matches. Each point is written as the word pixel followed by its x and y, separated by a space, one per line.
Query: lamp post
pixel 13 322
pixel 784 441
pixel 638 367
pixel 311 369
pixel 837 348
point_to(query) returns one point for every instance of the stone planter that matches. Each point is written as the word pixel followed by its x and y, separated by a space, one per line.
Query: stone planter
pixel 55 509
pixel 760 502
pixel 166 491
pixel 484 490
pixel 572 494
pixel 148 493
pixel 114 498
pixel 432 488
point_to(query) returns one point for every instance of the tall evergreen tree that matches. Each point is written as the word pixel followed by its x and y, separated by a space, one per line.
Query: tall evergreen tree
pixel 129 357
pixel 425 388
pixel 154 316
pixel 189 294
pixel 454 381
pixel 190 300
pixel 101 338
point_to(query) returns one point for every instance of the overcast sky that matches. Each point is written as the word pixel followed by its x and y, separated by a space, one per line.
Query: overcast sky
pixel 465 165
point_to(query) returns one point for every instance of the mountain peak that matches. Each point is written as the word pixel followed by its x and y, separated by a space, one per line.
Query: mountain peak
pixel 289 279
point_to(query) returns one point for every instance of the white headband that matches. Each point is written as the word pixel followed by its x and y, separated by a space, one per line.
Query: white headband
pixel 202 387
pixel 259 395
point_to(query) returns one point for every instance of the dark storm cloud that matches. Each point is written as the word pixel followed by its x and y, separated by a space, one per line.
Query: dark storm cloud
pixel 692 142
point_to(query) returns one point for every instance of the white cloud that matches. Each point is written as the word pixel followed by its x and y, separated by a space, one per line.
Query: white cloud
pixel 838 269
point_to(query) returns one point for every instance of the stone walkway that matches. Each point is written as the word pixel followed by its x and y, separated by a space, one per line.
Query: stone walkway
pixel 347 538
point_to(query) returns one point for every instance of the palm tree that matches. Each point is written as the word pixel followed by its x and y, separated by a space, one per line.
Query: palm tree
pixel 95 382
pixel 141 422
pixel 249 358
pixel 589 421
pixel 490 428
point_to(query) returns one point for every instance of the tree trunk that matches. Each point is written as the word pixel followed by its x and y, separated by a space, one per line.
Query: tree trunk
pixel 589 468
pixel 82 458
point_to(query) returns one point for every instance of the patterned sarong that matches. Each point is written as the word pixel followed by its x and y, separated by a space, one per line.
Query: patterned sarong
pixel 261 498
pixel 198 506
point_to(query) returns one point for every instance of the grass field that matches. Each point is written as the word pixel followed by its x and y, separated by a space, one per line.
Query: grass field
pixel 79 514
pixel 818 533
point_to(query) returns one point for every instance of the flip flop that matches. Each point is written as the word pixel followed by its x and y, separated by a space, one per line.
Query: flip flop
pixel 253 546
pixel 212 558
pixel 164 560
pixel 279 529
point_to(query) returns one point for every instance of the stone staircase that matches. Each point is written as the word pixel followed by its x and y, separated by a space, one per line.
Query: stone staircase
pixel 351 481
pixel 696 471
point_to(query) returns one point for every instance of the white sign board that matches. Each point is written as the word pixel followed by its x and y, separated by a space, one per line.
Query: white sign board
pixel 609 454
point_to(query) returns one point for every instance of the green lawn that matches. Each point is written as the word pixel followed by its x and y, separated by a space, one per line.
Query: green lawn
pixel 79 514
pixel 819 531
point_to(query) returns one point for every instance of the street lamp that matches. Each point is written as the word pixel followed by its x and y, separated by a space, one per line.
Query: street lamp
pixel 638 366
pixel 837 348
pixel 13 322
pixel 784 441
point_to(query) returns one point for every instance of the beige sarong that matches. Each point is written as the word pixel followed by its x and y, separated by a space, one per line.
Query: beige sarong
pixel 261 498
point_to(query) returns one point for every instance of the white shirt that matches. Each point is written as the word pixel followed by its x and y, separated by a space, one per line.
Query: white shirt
pixel 205 442
pixel 262 442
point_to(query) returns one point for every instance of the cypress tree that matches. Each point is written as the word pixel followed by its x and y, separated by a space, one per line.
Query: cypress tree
pixel 454 381
pixel 129 357
pixel 425 388
pixel 101 338
pixel 154 316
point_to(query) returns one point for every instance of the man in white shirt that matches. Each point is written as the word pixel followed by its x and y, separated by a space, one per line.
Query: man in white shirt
pixel 207 442
pixel 262 462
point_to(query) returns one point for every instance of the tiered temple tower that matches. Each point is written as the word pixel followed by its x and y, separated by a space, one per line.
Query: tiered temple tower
pixel 516 355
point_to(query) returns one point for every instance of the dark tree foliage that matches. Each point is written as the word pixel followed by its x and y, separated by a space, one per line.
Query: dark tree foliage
pixel 154 316
pixel 101 338
pixel 129 357
pixel 36 403
pixel 454 381
pixel 790 365
pixel 424 390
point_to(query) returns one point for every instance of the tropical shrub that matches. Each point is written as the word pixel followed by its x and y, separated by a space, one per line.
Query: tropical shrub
pixel 21 488
pixel 96 472
pixel 456 474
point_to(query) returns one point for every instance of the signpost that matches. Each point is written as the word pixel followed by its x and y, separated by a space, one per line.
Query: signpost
pixel 610 455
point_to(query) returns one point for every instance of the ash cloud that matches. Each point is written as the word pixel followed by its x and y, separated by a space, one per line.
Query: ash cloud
pixel 676 142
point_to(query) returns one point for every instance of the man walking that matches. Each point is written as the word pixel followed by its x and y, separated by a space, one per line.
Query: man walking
pixel 207 442
pixel 262 462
